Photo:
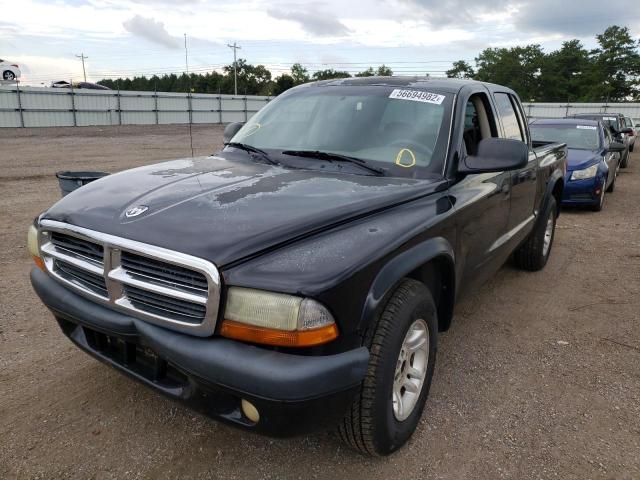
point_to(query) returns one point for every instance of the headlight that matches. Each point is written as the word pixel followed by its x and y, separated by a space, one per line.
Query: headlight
pixel 276 319
pixel 589 172
pixel 33 246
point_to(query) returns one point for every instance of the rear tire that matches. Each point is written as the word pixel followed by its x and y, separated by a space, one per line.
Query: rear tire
pixel 377 424
pixel 8 75
pixel 533 254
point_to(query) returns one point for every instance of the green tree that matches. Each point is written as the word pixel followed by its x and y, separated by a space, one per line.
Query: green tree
pixel 369 72
pixel 381 71
pixel 283 82
pixel 516 67
pixel 329 74
pixel 565 74
pixel 616 66
pixel 384 71
pixel 299 74
pixel 461 69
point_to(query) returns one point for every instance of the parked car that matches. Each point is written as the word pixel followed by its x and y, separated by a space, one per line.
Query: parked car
pixel 87 85
pixel 301 276
pixel 593 157
pixel 632 136
pixel 10 71
pixel 618 128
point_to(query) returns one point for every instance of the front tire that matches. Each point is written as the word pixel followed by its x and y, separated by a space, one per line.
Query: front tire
pixel 612 187
pixel 402 346
pixel 533 254
pixel 625 163
pixel 8 75
pixel 598 206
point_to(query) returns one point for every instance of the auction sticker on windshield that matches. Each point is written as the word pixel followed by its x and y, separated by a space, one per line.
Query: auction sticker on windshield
pixel 586 127
pixel 417 96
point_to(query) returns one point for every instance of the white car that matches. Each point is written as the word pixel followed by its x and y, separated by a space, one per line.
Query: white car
pixel 10 71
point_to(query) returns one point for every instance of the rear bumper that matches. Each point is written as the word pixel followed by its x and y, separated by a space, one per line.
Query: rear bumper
pixel 294 394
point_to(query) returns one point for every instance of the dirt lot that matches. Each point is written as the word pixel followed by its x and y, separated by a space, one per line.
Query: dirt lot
pixel 538 378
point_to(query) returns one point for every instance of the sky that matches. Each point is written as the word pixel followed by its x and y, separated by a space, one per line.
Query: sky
pixel 134 37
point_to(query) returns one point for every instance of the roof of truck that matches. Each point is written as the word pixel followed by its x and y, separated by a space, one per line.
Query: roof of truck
pixel 452 85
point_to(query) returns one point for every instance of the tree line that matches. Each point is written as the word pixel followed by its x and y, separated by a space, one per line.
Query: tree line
pixel 572 73
pixel 609 72
pixel 252 80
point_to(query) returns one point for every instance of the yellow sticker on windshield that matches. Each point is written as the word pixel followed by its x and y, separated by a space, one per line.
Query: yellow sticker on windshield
pixel 254 128
pixel 401 154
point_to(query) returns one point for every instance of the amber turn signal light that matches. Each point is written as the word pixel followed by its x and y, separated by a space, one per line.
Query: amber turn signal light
pixel 39 262
pixel 281 338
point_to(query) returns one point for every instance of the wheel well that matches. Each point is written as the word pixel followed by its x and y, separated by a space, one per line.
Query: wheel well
pixel 557 193
pixel 438 275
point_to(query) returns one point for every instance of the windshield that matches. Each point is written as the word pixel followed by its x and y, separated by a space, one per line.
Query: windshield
pixel 404 131
pixel 581 137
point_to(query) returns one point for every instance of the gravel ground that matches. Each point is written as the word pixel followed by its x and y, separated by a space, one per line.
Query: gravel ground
pixel 538 377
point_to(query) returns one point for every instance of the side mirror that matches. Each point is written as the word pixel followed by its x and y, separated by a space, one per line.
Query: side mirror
pixel 230 130
pixel 628 131
pixel 496 155
pixel 616 147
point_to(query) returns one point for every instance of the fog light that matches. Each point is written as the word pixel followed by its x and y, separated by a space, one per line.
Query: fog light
pixel 250 411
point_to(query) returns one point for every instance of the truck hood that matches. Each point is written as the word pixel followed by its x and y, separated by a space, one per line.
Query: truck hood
pixel 579 159
pixel 224 210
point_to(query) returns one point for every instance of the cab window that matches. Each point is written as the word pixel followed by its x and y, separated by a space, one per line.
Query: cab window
pixel 478 123
pixel 510 123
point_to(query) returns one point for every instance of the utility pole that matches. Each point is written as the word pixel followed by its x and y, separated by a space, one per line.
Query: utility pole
pixel 235 67
pixel 186 57
pixel 83 57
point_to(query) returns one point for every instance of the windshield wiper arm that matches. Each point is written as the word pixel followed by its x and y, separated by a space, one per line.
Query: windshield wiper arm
pixel 251 149
pixel 320 155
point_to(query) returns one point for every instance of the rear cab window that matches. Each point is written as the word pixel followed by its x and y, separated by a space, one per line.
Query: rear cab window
pixel 511 118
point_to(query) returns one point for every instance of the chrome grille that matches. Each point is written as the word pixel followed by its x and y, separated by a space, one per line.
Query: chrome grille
pixel 162 305
pixel 163 273
pixel 81 278
pixel 78 247
pixel 157 285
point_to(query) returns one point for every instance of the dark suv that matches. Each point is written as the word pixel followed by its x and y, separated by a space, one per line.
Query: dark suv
pixel 617 125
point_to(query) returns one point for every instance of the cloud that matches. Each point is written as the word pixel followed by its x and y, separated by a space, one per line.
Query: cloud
pixel 311 21
pixel 586 19
pixel 151 30
pixel 461 13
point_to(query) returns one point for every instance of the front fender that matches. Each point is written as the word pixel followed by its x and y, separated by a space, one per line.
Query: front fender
pixel 400 267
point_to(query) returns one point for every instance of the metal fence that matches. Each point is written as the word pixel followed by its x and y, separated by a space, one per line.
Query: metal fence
pixel 52 107
pixel 560 110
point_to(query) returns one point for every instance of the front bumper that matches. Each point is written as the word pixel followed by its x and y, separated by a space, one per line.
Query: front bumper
pixel 294 394
pixel 582 192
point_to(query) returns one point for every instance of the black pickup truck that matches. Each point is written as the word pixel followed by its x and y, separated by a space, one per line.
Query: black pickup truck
pixel 300 277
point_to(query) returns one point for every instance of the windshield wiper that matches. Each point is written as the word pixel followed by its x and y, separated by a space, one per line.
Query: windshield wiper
pixel 251 149
pixel 320 155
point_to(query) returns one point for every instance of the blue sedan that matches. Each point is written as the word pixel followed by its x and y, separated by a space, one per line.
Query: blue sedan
pixel 593 157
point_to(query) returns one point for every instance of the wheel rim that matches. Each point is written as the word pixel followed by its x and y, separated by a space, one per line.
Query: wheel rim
pixel 9 76
pixel 411 369
pixel 548 235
